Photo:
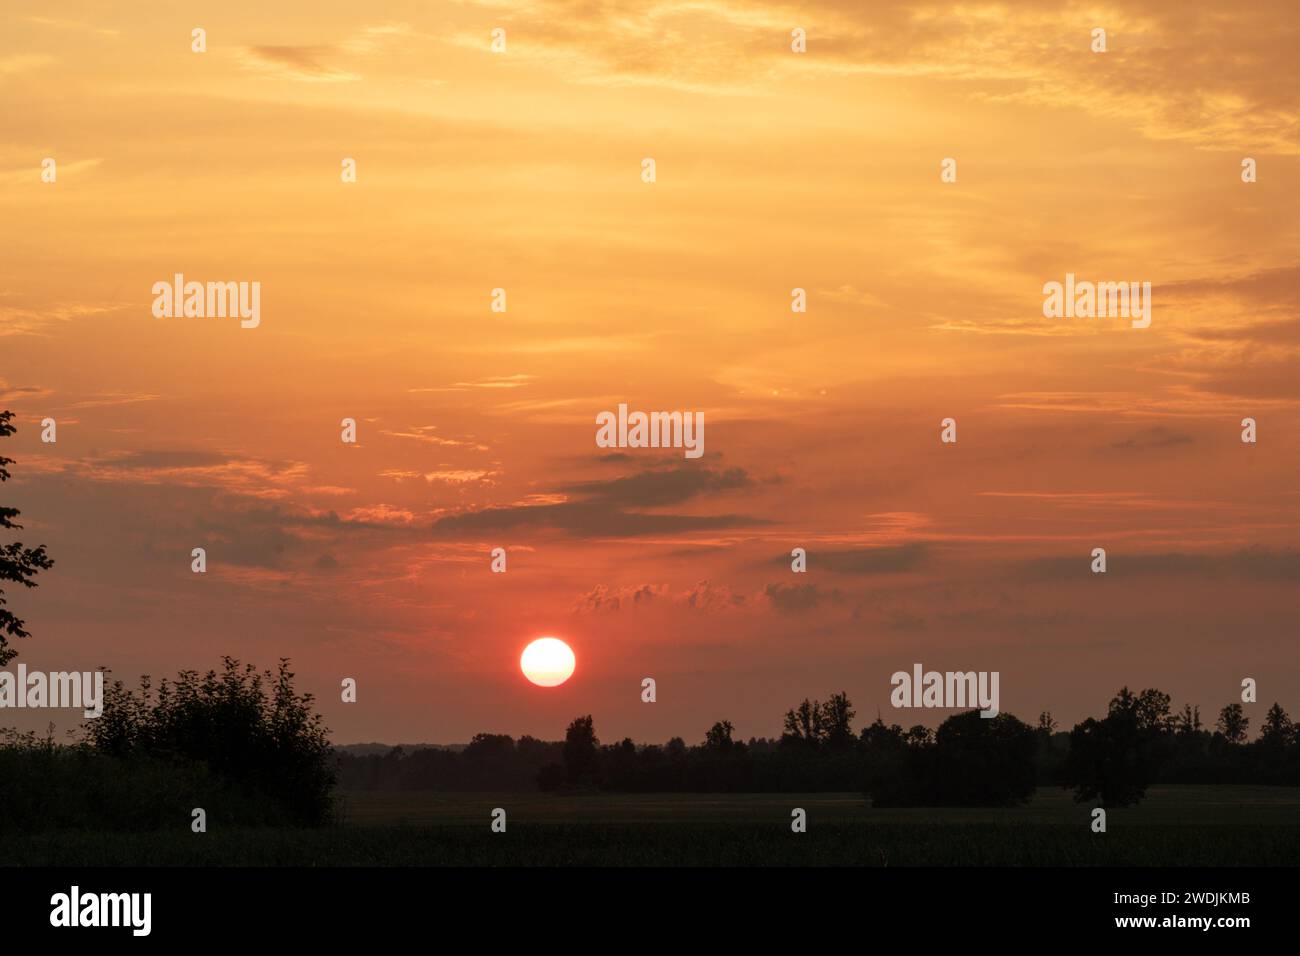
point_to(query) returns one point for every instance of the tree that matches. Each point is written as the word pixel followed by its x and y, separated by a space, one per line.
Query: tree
pixel 888 776
pixel 813 723
pixel 1277 731
pixel 17 563
pixel 1046 723
pixel 1108 757
pixel 719 736
pixel 1153 711
pixel 1233 723
pixel 580 753
pixel 970 761
pixel 983 761
pixel 1189 721
pixel 618 765
pixel 919 736
pixel 803 724
pixel 837 721
pixel 1150 709
pixel 487 746
pixel 879 736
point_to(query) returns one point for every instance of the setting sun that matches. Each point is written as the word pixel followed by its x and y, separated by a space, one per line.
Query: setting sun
pixel 547 662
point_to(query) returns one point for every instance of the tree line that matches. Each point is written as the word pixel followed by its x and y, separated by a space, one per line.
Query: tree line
pixel 967 761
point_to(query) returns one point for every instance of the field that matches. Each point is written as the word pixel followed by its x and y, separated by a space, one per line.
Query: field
pixel 1175 825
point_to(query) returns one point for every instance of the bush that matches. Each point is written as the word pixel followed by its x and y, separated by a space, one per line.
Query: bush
pixel 249 729
pixel 45 786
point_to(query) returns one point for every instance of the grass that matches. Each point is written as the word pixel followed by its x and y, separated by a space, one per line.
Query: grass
pixel 1202 826
pixel 1172 805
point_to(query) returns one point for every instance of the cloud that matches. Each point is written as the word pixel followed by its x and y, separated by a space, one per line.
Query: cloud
pixel 1276 286
pixel 164 460
pixel 1157 437
pixel 656 487
pixel 584 519
pixel 321 63
pixel 450 476
pixel 708 597
pixel 381 514
pixel 501 381
pixel 248 544
pixel 603 599
pixel 1278 332
pixel 252 477
pixel 18 320
pixel 1035 52
pixel 602 508
pixel 884 560
pixel 424 433
pixel 796 598
pixel 111 399
pixel 304 63
pixel 22 393
pixel 1255 563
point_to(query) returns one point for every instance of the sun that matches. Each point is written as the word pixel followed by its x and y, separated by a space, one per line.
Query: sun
pixel 547 662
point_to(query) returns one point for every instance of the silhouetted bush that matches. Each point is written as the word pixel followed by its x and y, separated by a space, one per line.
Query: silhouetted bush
pixel 248 728
pixel 47 786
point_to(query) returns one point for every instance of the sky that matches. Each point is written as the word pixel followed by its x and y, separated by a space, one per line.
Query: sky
pixel 774 170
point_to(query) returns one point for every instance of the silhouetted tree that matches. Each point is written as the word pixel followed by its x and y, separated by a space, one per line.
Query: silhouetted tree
pixel 886 778
pixel 983 761
pixel 970 761
pixel 919 736
pixel 1189 721
pixel 1150 708
pixel 580 753
pixel 814 723
pixel 837 721
pixel 1277 730
pixel 1153 711
pixel 879 736
pixel 803 725
pixel 1108 757
pixel 1233 723
pixel 486 746
pixel 719 736
pixel 18 565
pixel 619 765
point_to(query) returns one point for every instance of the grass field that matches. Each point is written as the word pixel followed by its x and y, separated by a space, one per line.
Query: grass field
pixel 1205 826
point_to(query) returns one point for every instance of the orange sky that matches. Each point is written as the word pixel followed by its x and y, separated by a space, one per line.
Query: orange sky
pixel 775 170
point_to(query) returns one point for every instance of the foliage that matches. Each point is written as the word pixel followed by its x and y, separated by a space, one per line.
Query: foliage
pixel 250 728
pixel 18 564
